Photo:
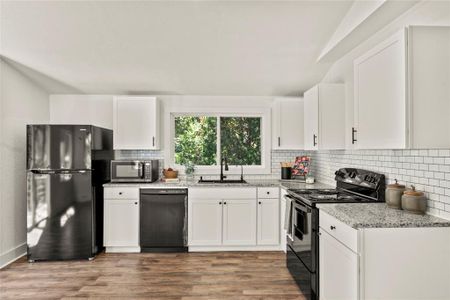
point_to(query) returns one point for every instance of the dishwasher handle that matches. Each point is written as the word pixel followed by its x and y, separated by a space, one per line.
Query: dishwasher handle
pixel 163 192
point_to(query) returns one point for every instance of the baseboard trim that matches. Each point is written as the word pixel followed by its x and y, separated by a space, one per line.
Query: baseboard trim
pixel 233 248
pixel 12 255
pixel 116 249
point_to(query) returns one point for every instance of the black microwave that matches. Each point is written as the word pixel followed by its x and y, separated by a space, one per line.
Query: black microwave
pixel 134 170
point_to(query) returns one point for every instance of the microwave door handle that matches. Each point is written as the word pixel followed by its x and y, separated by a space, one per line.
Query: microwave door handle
pixel 141 170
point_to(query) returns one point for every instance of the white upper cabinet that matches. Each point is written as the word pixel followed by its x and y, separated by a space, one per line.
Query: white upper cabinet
pixel 324 117
pixel 402 94
pixel 136 122
pixel 288 123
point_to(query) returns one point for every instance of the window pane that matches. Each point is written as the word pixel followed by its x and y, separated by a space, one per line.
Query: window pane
pixel 195 140
pixel 240 140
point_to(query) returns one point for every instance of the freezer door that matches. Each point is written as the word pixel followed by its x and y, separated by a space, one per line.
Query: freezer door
pixel 56 147
pixel 60 211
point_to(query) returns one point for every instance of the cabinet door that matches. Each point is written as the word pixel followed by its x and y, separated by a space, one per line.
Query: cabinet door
pixel 268 222
pixel 239 222
pixel 121 223
pixel 311 117
pixel 204 222
pixel 136 123
pixel 380 96
pixel 331 116
pixel 288 119
pixel 338 270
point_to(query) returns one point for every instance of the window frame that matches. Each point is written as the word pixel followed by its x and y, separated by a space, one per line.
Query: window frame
pixel 255 112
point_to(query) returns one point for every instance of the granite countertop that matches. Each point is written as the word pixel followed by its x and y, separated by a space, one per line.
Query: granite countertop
pixel 378 215
pixel 250 183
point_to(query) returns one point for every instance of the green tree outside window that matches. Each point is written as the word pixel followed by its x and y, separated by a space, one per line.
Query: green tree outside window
pixel 196 140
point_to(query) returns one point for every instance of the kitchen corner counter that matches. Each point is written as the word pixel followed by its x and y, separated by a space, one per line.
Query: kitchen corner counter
pixel 378 215
pixel 250 183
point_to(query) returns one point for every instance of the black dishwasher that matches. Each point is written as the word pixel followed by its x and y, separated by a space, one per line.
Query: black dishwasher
pixel 163 220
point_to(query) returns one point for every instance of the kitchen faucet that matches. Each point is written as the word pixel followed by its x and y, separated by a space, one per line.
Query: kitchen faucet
pixel 223 161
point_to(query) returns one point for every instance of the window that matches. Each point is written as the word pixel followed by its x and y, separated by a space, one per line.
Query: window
pixel 196 140
pixel 204 140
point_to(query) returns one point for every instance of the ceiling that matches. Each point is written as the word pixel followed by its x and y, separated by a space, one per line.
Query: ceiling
pixel 171 47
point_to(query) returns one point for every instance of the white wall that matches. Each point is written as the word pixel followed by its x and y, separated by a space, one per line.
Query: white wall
pixel 21 102
pixel 82 109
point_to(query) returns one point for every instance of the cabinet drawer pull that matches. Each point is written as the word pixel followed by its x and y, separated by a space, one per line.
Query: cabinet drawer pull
pixel 314 140
pixel 259 202
pixel 225 203
pixel 268 193
pixel 220 203
pixel 120 193
pixel 332 227
pixel 135 203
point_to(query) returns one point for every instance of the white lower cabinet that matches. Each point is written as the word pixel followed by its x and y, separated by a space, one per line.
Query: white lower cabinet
pixel 121 224
pixel 268 222
pixel 233 219
pixel 338 270
pixel 383 263
pixel 239 222
pixel 205 222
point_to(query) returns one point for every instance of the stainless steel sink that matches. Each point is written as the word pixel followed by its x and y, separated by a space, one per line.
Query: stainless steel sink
pixel 242 181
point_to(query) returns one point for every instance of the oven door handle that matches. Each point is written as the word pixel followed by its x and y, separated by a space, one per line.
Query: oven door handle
pixel 289 197
pixel 303 208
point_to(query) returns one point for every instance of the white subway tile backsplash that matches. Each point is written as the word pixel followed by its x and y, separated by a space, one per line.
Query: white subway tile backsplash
pixel 427 169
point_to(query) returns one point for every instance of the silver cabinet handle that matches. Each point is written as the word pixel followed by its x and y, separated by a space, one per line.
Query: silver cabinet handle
pixel 332 227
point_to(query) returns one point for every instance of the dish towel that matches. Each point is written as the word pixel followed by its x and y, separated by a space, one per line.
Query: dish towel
pixel 288 217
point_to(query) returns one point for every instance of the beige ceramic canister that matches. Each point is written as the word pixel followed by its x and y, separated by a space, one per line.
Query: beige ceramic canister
pixel 394 193
pixel 414 201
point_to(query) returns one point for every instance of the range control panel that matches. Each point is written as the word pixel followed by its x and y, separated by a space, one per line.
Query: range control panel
pixel 360 177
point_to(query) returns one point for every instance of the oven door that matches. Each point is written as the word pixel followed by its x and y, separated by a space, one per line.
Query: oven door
pixel 302 234
pixel 126 171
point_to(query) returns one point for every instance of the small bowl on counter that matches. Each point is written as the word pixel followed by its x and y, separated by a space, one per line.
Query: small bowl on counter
pixel 414 201
pixel 170 173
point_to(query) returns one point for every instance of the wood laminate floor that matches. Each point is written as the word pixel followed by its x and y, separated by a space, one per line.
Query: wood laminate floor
pixel 222 275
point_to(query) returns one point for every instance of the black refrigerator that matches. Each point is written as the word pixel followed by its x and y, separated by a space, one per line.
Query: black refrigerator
pixel 67 166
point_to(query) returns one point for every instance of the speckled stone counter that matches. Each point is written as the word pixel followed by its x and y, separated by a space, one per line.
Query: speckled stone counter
pixel 250 183
pixel 378 215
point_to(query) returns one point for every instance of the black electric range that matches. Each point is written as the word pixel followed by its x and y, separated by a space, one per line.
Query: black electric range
pixel 352 186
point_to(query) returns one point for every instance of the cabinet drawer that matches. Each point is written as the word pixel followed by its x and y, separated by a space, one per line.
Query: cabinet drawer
pixel 121 193
pixel 222 193
pixel 268 193
pixel 339 230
